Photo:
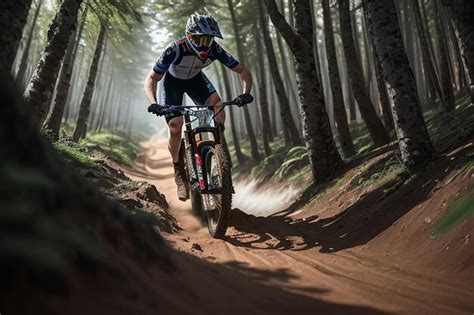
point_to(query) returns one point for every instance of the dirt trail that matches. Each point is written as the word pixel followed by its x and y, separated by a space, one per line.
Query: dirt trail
pixel 289 258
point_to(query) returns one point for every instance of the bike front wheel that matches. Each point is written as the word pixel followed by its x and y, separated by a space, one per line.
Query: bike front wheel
pixel 217 174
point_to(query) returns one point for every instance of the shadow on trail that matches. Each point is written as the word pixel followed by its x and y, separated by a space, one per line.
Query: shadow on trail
pixel 266 291
pixel 359 223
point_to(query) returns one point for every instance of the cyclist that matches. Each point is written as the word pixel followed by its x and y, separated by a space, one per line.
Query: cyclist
pixel 180 66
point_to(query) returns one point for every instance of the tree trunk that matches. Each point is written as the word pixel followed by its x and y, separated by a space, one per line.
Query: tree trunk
pixel 445 73
pixel 453 34
pixel 285 111
pixel 64 85
pixel 323 155
pixel 266 129
pixel 352 102
pixel 20 76
pixel 100 79
pixel 238 152
pixel 381 86
pixel 41 85
pixel 290 88
pixel 340 114
pixel 425 52
pixel 240 52
pixel 383 96
pixel 354 68
pixel 315 46
pixel 414 142
pixel 462 12
pixel 13 16
pixel 84 110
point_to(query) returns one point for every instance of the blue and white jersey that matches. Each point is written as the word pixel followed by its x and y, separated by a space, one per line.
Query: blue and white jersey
pixel 182 63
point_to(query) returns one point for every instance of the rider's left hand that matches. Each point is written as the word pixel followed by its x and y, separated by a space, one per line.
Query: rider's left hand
pixel 245 98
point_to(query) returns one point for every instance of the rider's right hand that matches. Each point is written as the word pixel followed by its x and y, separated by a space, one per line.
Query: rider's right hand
pixel 156 109
pixel 244 99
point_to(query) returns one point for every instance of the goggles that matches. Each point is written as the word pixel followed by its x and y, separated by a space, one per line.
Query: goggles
pixel 201 40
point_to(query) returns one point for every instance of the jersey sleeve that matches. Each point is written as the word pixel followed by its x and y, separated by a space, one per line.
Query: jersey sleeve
pixel 166 59
pixel 224 57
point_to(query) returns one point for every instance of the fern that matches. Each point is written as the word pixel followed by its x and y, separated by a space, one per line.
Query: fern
pixel 296 158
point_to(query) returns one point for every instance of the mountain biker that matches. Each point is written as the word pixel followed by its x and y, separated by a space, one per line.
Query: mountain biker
pixel 180 66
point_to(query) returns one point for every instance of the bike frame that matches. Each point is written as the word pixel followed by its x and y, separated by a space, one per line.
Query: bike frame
pixel 194 141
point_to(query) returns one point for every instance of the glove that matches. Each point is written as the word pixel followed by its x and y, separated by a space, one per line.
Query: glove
pixel 156 109
pixel 243 99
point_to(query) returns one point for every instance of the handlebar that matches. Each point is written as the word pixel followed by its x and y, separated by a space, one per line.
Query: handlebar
pixel 183 109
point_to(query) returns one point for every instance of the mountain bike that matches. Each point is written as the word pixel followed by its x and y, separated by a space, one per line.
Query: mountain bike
pixel 207 165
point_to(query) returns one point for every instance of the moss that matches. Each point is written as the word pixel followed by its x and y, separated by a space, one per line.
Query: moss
pixel 76 156
pixel 121 147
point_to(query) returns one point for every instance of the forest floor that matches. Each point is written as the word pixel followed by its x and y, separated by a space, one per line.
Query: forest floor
pixel 365 244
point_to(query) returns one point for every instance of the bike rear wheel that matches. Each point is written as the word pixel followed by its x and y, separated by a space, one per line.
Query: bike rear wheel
pixel 217 174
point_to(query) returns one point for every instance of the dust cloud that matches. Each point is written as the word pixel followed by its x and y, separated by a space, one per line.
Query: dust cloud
pixel 251 198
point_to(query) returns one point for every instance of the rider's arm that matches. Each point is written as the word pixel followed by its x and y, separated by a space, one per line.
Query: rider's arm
pixel 151 83
pixel 230 62
pixel 166 59
pixel 245 76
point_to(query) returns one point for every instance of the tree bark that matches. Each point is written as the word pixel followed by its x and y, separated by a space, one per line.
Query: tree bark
pixel 425 52
pixel 41 85
pixel 81 123
pixel 20 76
pixel 354 67
pixel 453 34
pixel 238 152
pixel 381 86
pixel 462 12
pixel 55 119
pixel 265 116
pixel 323 154
pixel 383 96
pixel 444 70
pixel 340 114
pixel 289 85
pixel 315 46
pixel 415 145
pixel 285 111
pixel 13 16
pixel 240 52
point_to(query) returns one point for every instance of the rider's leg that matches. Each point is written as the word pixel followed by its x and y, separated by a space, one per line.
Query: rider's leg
pixel 174 144
pixel 174 137
pixel 215 100
pixel 173 91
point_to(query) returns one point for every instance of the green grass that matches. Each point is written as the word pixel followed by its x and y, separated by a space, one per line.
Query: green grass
pixel 118 145
pixel 459 211
pixel 391 166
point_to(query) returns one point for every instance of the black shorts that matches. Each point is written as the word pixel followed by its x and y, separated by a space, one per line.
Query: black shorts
pixel 199 88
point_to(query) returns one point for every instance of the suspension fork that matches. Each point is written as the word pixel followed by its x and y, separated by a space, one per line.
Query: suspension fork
pixel 190 152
